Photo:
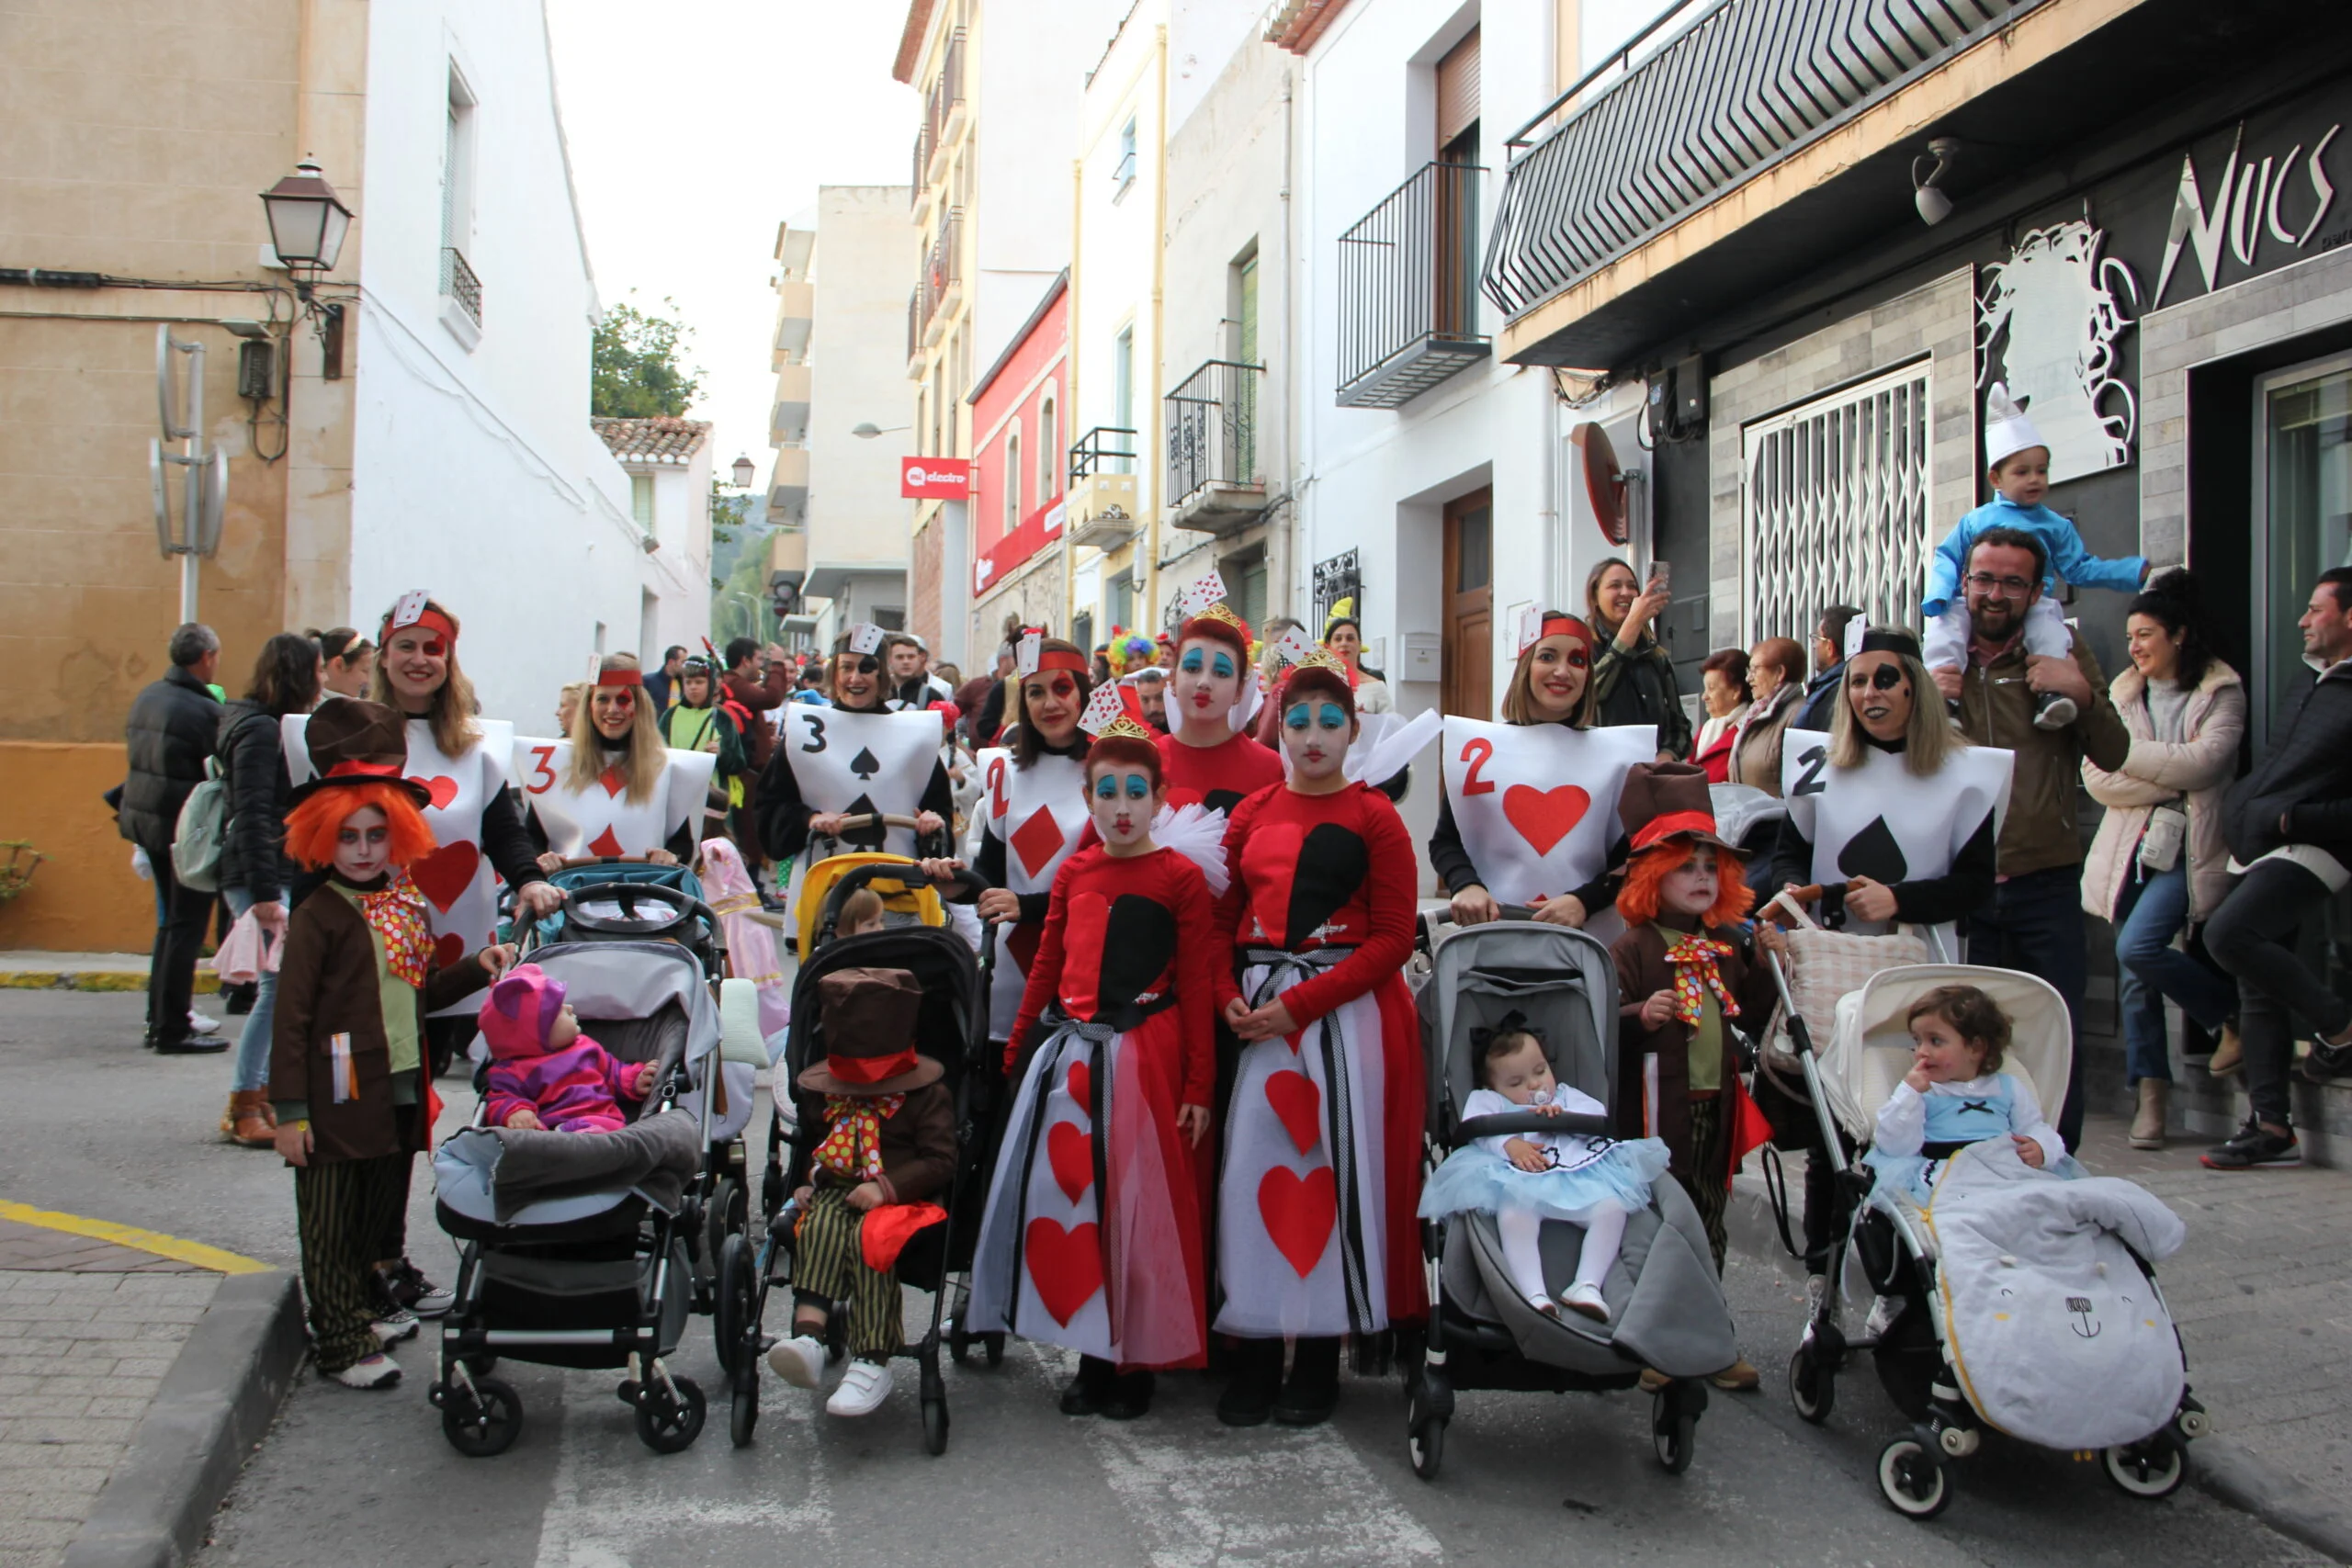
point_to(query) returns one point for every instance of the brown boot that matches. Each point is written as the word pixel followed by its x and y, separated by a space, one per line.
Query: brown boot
pixel 2229 1055
pixel 247 1122
pixel 2148 1123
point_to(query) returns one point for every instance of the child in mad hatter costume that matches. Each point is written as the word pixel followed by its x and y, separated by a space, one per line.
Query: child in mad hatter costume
pixel 346 1075
pixel 1684 984
pixel 889 1145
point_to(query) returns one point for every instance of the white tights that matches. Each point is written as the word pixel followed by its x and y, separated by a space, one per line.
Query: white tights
pixel 1604 1230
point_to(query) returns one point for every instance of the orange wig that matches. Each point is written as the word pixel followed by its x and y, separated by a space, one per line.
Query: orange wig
pixel 313 827
pixel 1638 900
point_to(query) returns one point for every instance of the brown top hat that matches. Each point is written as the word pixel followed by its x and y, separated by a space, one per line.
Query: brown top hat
pixel 1667 800
pixel 357 742
pixel 869 1018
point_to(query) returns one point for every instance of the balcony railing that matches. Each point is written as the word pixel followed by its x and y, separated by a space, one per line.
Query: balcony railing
pixel 459 283
pixel 942 268
pixel 920 180
pixel 1744 86
pixel 915 328
pixel 1212 424
pixel 1408 299
pixel 1105 449
pixel 944 110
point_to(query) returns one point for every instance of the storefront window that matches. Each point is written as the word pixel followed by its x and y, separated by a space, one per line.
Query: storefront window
pixel 2307 472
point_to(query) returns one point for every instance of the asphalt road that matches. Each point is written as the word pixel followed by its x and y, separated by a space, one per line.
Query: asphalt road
pixel 96 1126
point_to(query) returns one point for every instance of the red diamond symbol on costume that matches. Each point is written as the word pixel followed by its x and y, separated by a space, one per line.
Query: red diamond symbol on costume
pixel 1037 840
pixel 606 843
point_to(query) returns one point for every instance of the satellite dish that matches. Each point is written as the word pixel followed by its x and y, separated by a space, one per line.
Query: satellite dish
pixel 212 500
pixel 168 405
pixel 1604 482
pixel 156 471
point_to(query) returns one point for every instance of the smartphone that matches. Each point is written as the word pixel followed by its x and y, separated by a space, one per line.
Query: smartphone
pixel 1661 576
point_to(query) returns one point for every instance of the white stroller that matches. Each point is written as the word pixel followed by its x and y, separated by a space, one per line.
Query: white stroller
pixel 2044 1321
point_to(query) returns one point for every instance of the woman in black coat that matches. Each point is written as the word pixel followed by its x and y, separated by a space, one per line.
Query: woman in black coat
pixel 254 873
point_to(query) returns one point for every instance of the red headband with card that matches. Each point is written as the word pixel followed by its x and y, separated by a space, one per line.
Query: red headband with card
pixel 1534 629
pixel 621 678
pixel 415 609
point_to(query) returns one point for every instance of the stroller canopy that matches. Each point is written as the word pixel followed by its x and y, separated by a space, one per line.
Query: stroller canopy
pixel 1563 980
pixel 1870 1048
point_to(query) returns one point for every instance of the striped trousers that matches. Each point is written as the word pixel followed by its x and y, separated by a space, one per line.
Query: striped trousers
pixel 1705 1180
pixel 345 1210
pixel 829 1266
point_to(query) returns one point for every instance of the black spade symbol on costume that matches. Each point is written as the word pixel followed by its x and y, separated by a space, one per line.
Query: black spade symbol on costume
pixel 1138 943
pixel 1223 800
pixel 1332 863
pixel 868 837
pixel 865 764
pixel 1872 853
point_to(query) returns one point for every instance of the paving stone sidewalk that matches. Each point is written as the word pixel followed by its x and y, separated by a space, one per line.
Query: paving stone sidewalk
pixel 87 1331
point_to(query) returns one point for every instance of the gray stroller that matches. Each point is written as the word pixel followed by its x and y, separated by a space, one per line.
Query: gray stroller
pixel 1666 1303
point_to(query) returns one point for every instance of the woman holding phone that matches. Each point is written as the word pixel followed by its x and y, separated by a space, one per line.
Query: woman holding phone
pixel 1632 676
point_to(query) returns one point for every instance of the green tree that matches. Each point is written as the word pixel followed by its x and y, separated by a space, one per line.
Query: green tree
pixel 635 369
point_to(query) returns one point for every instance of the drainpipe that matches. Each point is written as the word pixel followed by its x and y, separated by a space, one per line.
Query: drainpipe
pixel 1070 385
pixel 1151 617
pixel 1282 539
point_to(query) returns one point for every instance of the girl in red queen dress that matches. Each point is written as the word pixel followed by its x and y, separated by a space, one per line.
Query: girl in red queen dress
pixel 1092 1234
pixel 1315 1229
pixel 1211 692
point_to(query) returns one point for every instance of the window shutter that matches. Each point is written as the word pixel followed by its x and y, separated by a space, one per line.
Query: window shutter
pixel 1457 90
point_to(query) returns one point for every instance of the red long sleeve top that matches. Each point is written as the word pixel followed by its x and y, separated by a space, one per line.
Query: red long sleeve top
pixel 1121 935
pixel 1312 871
pixel 1220 777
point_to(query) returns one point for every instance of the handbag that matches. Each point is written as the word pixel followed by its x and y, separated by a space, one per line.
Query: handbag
pixel 2161 839
pixel 1824 966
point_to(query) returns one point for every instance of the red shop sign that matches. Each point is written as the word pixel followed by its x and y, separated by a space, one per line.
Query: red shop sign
pixel 934 479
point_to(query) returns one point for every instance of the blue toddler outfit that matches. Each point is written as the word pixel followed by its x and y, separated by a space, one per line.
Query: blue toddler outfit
pixel 1916 1133
pixel 1585 1170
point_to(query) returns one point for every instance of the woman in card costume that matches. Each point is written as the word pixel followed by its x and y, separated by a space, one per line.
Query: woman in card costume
pixel 1315 1234
pixel 611 787
pixel 1207 754
pixel 1544 838
pixel 1032 811
pixel 1092 1235
pixel 853 759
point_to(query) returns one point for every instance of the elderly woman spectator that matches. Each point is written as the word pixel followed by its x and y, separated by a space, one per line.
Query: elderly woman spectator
pixel 2158 864
pixel 1775 690
pixel 1725 694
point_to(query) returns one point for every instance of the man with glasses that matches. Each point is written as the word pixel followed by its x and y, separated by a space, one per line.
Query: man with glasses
pixel 2036 920
pixel 2288 824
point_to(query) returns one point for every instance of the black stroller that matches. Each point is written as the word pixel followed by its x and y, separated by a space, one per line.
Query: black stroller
pixel 952 1028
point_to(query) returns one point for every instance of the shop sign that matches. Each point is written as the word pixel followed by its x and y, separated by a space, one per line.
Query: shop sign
pixel 2262 211
pixel 2048 321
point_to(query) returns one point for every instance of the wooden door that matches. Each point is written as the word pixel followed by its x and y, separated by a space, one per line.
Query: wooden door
pixel 1466 675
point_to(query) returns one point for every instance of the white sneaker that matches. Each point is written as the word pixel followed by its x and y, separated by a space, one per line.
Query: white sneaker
pixel 1883 1312
pixel 378 1371
pixel 396 1326
pixel 799 1361
pixel 1816 1287
pixel 199 1024
pixel 862 1390
pixel 1585 1298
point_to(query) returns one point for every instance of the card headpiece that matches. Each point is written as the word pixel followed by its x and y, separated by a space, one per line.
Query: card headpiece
pixel 1535 625
pixel 1115 710
pixel 414 608
pixel 1203 600
pixel 865 638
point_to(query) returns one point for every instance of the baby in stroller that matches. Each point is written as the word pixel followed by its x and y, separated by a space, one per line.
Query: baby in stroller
pixel 1525 1179
pixel 1956 1094
pixel 543 1072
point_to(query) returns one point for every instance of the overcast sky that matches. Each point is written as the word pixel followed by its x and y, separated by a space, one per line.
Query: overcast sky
pixel 696 127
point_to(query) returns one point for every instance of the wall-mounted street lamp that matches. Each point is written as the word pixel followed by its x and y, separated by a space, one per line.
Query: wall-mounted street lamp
pixel 307 225
pixel 867 430
pixel 744 472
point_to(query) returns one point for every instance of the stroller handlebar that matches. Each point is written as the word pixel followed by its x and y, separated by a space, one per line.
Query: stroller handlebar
pixel 1475 1127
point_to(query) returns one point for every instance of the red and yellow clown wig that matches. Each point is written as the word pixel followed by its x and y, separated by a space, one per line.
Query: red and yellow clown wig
pixel 1639 901
pixel 313 827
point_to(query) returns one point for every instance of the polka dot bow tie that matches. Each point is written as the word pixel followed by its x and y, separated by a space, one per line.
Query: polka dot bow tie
pixel 1695 973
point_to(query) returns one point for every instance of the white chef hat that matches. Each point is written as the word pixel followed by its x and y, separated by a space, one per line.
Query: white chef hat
pixel 2007 432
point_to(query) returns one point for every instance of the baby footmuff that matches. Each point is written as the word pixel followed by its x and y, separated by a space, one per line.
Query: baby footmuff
pixel 2012 1297
pixel 1666 1305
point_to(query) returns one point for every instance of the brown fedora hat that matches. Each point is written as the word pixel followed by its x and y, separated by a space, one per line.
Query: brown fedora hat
pixel 868 1016
pixel 356 742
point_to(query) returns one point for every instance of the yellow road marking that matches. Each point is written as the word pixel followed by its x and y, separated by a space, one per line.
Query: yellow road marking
pixel 162 1245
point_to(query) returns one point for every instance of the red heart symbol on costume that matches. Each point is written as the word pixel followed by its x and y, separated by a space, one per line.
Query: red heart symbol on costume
pixel 1081 1089
pixel 1072 1154
pixel 1065 1265
pixel 605 844
pixel 448 950
pixel 614 780
pixel 1300 1105
pixel 443 788
pixel 1299 1211
pixel 446 873
pixel 1544 817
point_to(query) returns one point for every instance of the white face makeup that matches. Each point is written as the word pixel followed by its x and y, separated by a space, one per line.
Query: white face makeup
pixel 1315 733
pixel 1207 680
pixel 1122 800
pixel 363 846
pixel 1689 888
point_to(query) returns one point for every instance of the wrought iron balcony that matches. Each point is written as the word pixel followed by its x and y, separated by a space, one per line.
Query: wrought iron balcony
pixel 943 274
pixel 1409 297
pixel 1211 426
pixel 459 283
pixel 1105 449
pixel 1744 85
pixel 943 111
pixel 1101 508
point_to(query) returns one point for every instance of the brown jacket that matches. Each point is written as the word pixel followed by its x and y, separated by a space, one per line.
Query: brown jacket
pixel 1996 709
pixel 326 986
pixel 917 1149
pixel 1756 752
pixel 1642 973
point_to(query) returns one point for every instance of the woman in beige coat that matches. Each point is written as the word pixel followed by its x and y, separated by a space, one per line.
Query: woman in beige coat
pixel 2157 865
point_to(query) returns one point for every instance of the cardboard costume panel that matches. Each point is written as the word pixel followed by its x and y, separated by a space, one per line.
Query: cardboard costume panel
pixel 862 762
pixel 1536 803
pixel 1038 812
pixel 603 821
pixel 1881 821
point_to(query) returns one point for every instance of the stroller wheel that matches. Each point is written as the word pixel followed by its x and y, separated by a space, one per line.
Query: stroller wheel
pixel 743 1411
pixel 1912 1479
pixel 1425 1443
pixel 735 1311
pixel 1673 1431
pixel 2154 1468
pixel 669 1425
pixel 1812 1386
pixel 485 1425
pixel 935 1426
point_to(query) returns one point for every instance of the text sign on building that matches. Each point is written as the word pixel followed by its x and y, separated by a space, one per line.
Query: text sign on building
pixel 934 479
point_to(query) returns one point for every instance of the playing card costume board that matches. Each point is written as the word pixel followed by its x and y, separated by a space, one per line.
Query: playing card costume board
pixel 602 819
pixel 859 764
pixel 1037 815
pixel 1882 821
pixel 1536 803
pixel 458 884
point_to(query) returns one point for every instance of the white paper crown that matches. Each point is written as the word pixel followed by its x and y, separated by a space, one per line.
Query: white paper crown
pixel 1200 596
pixel 1031 650
pixel 865 636
pixel 408 609
pixel 2007 431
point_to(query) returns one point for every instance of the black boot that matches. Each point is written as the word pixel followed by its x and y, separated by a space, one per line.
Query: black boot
pixel 1128 1396
pixel 1313 1390
pixel 1085 1394
pixel 1248 1399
